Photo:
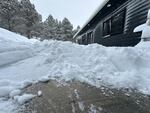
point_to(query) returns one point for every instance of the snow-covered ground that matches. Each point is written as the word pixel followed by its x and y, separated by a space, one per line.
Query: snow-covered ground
pixel 24 61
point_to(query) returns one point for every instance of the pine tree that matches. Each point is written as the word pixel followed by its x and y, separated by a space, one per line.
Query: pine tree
pixel 30 16
pixel 67 29
pixel 9 13
pixel 51 26
pixel 59 31
pixel 22 17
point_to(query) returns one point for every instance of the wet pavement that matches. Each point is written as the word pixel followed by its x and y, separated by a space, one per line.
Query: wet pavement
pixel 77 97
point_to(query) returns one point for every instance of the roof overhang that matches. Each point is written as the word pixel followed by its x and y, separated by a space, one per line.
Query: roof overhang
pixel 92 16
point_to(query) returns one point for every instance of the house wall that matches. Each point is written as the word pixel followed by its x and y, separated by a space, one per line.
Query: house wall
pixel 98 31
pixel 136 14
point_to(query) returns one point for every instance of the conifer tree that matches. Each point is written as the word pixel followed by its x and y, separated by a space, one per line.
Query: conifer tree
pixel 8 13
pixel 67 29
pixel 30 15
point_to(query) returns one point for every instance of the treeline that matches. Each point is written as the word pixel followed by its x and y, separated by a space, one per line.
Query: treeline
pixel 20 16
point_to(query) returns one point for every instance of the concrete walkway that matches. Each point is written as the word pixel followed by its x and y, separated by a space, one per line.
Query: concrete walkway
pixel 76 97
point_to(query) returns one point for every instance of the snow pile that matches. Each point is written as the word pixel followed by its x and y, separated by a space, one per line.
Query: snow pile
pixel 7 106
pixel 39 94
pixel 97 65
pixel 4 91
pixel 15 47
pixel 94 64
pixel 94 109
pixel 44 79
pixel 24 98
pixel 23 62
pixel 9 36
pixel 15 93
pixel 145 28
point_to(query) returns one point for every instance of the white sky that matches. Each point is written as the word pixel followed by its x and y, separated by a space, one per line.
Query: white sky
pixel 77 11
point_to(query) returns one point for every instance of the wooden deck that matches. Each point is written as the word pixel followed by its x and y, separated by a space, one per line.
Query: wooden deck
pixel 76 97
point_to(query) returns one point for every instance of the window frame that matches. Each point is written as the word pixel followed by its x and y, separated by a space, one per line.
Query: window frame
pixel 110 33
pixel 90 37
pixel 122 13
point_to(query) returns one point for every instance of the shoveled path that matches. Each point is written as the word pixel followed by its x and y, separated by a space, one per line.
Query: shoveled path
pixel 76 97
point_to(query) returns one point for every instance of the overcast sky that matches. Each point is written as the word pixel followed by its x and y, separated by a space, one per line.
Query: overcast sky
pixel 77 11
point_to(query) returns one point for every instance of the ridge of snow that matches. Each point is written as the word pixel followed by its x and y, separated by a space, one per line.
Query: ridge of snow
pixel 15 93
pixel 10 36
pixel 145 28
pixel 94 64
pixel 24 61
pixel 44 79
pixel 7 106
pixel 24 98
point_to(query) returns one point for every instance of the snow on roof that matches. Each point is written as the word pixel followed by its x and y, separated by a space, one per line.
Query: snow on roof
pixel 92 16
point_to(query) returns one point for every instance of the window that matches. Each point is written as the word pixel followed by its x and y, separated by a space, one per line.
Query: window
pixel 107 28
pixel 84 40
pixel 117 23
pixel 114 25
pixel 90 37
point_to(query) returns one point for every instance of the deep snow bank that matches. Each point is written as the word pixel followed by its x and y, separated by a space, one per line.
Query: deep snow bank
pixel 97 65
pixel 7 106
pixel 14 47
pixel 94 64
pixel 24 61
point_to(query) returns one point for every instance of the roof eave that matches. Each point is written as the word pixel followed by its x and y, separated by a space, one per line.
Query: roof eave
pixel 92 16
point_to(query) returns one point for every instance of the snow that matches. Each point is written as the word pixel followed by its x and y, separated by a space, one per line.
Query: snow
pixel 15 93
pixel 93 109
pixel 44 79
pixel 145 28
pixel 80 103
pixel 25 83
pixel 5 90
pixel 24 98
pixel 12 37
pixel 39 93
pixel 24 62
pixel 7 106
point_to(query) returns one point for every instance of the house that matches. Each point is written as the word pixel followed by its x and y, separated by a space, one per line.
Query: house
pixel 113 23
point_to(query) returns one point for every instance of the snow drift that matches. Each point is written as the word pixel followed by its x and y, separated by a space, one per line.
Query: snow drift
pixel 94 64
pixel 145 28
pixel 23 62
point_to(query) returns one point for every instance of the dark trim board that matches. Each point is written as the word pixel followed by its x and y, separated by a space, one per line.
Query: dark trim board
pixel 114 22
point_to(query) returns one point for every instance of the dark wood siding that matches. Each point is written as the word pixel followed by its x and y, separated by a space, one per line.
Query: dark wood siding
pixel 136 14
pixel 99 28
pixel 98 32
